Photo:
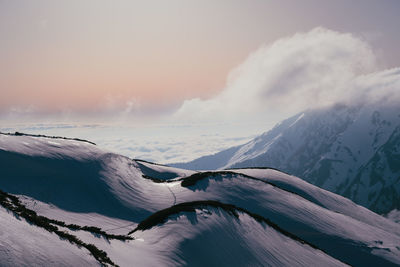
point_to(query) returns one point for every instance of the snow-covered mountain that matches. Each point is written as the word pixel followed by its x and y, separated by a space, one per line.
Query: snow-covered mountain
pixel 353 151
pixel 69 203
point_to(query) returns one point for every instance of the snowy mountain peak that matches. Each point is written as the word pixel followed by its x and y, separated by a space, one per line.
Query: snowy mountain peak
pixel 349 150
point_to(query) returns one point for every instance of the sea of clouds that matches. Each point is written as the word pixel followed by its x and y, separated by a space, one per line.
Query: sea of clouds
pixel 307 70
pixel 156 143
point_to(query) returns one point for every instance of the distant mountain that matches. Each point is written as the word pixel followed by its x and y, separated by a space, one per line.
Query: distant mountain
pixel 353 151
pixel 69 203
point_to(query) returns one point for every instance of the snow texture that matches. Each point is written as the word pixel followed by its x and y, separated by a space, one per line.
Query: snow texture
pixel 79 183
pixel 353 151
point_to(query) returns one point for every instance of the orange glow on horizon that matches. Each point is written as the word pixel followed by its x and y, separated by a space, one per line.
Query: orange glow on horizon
pixel 87 54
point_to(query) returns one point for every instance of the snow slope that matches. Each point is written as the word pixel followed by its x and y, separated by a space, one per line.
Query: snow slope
pixel 24 245
pixel 349 150
pixel 178 217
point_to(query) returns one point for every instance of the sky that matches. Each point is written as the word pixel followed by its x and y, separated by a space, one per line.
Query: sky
pixel 225 68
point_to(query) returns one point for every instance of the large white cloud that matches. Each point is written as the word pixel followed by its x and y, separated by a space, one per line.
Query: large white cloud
pixel 311 69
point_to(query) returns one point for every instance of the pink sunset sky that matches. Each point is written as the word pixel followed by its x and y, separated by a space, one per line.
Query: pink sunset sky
pixel 90 57
pixel 174 80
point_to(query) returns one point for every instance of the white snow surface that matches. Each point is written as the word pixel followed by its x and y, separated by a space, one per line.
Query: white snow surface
pixel 353 151
pixel 22 244
pixel 394 216
pixel 79 183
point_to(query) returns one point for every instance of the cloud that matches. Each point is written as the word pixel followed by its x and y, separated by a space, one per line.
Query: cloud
pixel 158 143
pixel 306 70
pixel 382 88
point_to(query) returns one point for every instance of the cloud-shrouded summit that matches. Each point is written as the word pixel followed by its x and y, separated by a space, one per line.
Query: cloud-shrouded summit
pixel 303 71
pixel 306 70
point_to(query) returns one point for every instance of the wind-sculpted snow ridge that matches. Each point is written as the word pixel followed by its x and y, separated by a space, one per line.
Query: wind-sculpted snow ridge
pixel 22 244
pixel 177 217
pixel 241 237
pixel 162 216
pixel 353 151
pixel 12 203
pixel 48 136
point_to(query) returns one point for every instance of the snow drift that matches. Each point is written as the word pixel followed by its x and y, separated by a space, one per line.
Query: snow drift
pixel 175 217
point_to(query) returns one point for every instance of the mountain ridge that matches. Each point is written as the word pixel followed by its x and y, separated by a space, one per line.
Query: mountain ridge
pixel 337 148
pixel 342 231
